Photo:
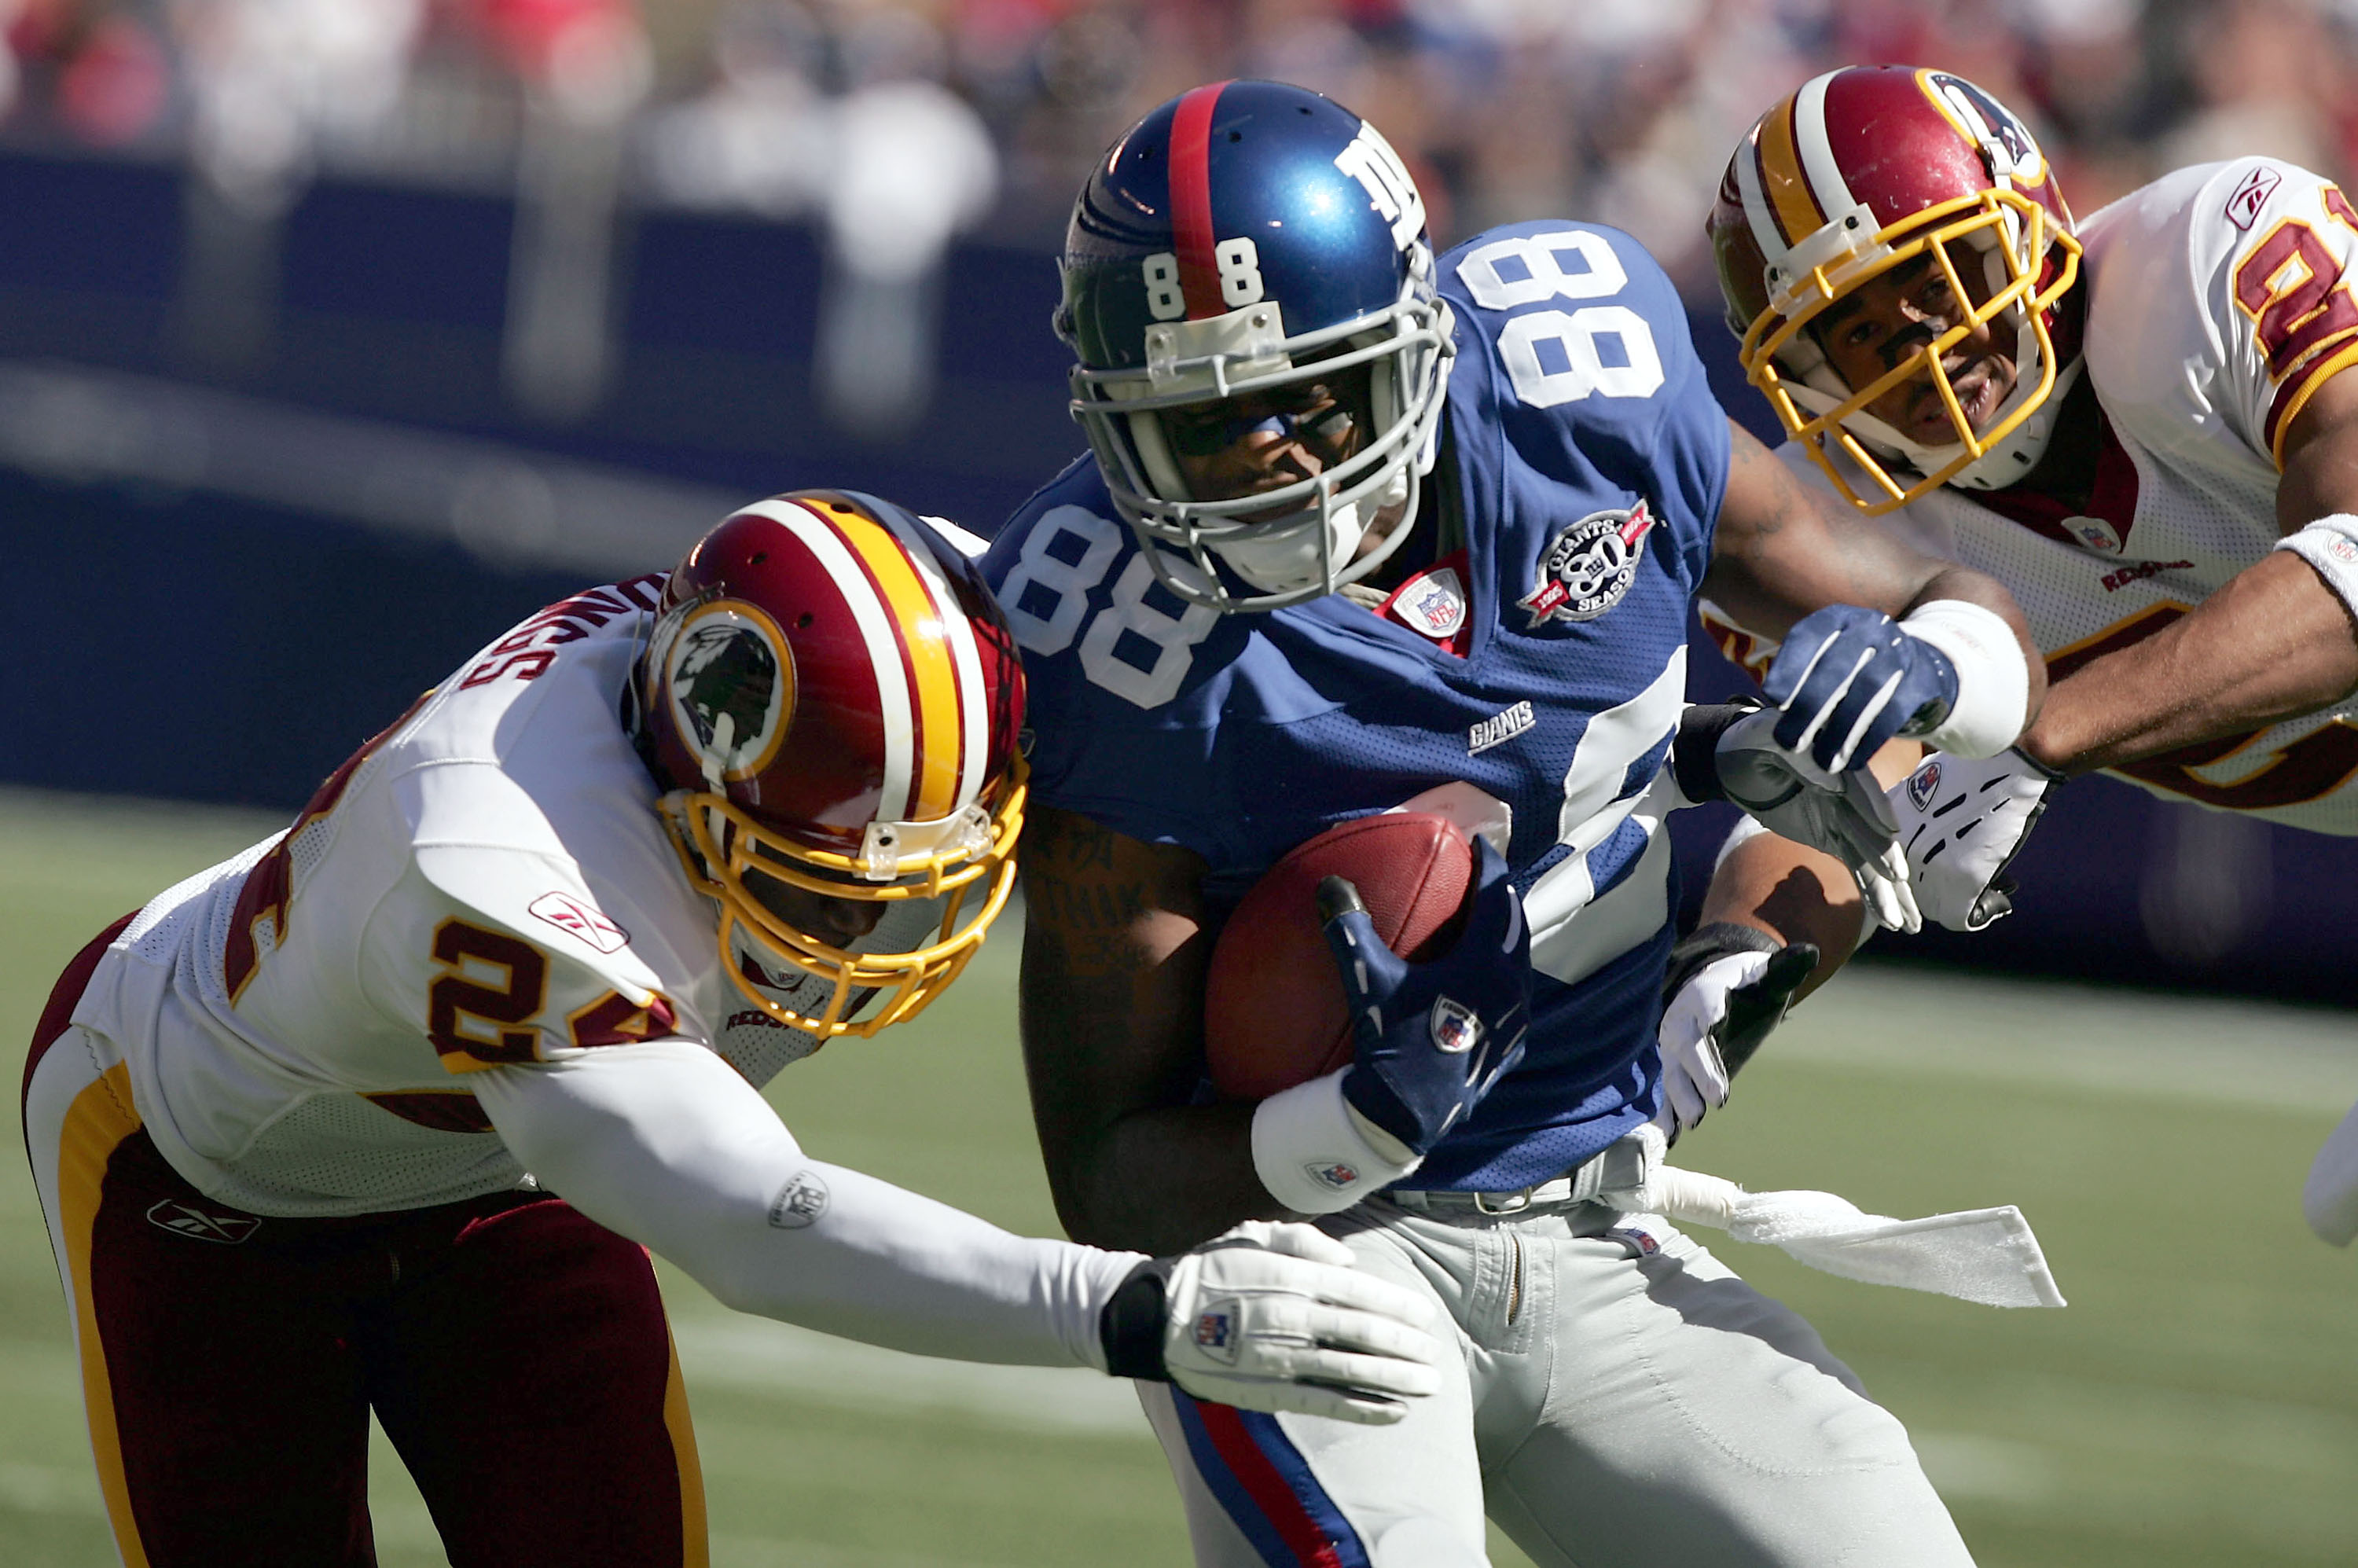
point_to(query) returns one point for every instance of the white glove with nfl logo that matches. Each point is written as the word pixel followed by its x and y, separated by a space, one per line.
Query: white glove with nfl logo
pixel 1962 822
pixel 1273 1317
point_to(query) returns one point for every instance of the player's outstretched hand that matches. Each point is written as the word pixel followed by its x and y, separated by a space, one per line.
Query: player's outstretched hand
pixel 1728 984
pixel 1730 752
pixel 1962 822
pixel 1273 1317
pixel 1848 679
pixel 1431 1038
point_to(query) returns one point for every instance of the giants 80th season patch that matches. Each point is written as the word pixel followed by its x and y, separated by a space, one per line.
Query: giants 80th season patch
pixel 1588 567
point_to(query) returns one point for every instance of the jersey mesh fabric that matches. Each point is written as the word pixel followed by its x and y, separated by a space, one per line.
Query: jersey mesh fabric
pixel 2186 390
pixel 341 1146
pixel 1586 448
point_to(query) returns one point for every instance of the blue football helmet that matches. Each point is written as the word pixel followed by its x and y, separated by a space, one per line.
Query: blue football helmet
pixel 1251 239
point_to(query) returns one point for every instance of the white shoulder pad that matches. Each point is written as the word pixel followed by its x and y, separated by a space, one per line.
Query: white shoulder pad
pixel 2220 300
pixel 494 944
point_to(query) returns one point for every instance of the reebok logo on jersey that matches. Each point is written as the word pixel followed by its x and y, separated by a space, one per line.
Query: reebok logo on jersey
pixel 800 1203
pixel 1588 567
pixel 576 917
pixel 180 1219
pixel 1499 728
pixel 2244 206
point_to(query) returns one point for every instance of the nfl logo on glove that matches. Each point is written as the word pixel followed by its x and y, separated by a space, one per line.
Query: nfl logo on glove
pixel 1924 783
pixel 1216 1332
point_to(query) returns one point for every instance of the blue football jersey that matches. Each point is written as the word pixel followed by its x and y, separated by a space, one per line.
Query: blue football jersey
pixel 1589 463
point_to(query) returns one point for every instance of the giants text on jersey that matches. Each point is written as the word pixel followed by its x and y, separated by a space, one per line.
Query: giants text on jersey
pixel 1587 461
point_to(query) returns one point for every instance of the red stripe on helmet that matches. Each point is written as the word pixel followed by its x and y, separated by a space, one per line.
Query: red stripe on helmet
pixel 1191 201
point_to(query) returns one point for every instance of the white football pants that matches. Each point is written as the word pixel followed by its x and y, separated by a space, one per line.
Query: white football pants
pixel 1622 1400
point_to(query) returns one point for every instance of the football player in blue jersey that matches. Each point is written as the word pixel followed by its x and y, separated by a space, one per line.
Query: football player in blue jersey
pixel 1360 529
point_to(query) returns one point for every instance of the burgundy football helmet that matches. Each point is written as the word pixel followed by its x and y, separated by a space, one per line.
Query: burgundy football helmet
pixel 832 699
pixel 1860 171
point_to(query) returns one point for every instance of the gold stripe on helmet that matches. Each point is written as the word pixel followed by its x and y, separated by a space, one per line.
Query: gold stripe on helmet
pixel 936 749
pixel 1783 178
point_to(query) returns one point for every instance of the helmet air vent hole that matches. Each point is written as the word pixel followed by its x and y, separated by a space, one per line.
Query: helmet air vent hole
pixel 802 620
pixel 1236 135
pixel 760 556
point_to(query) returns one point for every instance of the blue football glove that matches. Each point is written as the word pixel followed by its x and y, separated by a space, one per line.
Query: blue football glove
pixel 1849 679
pixel 1431 1038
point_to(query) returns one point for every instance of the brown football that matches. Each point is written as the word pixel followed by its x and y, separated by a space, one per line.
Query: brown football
pixel 1273 1008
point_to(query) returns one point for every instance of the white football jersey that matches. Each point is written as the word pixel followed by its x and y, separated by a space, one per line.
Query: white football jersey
pixel 486 883
pixel 2219 301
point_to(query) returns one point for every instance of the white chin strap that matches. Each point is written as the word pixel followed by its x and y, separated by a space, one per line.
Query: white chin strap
pixel 1290 560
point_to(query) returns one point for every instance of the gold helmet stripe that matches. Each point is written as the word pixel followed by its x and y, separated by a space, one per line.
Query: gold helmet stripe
pixel 877 630
pixel 1782 177
pixel 922 541
pixel 927 663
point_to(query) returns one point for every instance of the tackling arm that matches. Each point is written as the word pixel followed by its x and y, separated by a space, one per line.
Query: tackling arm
pixel 2278 639
pixel 1793 893
pixel 1114 961
pixel 1783 550
pixel 665 1143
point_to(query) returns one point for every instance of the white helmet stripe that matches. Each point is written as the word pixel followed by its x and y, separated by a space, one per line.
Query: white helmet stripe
pixel 974 732
pixel 1757 214
pixel 869 614
pixel 1817 154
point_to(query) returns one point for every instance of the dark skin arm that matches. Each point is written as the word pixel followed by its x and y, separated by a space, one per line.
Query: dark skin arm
pixel 1784 549
pixel 1115 952
pixel 2274 642
pixel 1114 956
pixel 1797 895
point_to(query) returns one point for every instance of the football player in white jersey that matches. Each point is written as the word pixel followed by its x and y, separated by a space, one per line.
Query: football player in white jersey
pixel 2138 423
pixel 301 1125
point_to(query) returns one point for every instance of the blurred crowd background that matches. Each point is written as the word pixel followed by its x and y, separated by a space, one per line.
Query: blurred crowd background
pixel 897 123
pixel 335 334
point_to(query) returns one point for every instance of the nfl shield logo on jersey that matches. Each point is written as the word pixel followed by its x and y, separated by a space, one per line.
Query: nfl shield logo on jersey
pixel 1434 604
pixel 1924 783
pixel 1588 567
pixel 1455 1028
pixel 2096 533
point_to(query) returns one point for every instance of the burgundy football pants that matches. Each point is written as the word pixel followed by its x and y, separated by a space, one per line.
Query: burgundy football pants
pixel 516 1353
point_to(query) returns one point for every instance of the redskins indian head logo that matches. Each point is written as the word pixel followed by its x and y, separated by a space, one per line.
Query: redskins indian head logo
pixel 730 682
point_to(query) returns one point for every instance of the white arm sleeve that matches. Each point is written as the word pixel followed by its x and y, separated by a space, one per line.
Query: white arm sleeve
pixel 665 1143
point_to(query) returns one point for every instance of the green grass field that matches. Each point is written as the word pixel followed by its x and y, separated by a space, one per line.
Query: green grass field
pixel 2196 1404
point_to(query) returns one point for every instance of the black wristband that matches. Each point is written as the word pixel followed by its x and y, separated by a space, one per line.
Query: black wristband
pixel 1706 943
pixel 1694 748
pixel 1131 1326
pixel 2035 766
